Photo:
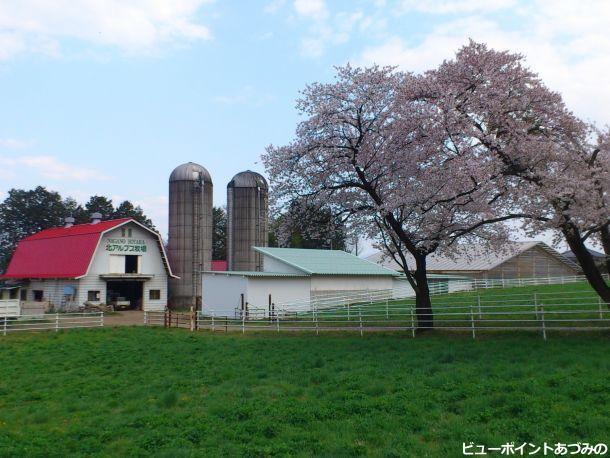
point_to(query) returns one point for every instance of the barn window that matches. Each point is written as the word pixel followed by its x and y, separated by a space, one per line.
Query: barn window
pixel 93 296
pixel 38 295
pixel 13 293
pixel 23 295
pixel 132 264
pixel 154 294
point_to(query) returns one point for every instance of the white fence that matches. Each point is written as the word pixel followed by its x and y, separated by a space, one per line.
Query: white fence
pixel 470 312
pixel 9 308
pixel 51 322
pixel 404 291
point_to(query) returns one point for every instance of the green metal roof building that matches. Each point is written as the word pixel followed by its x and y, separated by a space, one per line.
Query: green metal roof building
pixel 295 276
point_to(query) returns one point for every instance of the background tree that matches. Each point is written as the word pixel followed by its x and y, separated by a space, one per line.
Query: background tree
pixel 219 234
pixel 24 213
pixel 127 210
pixel 97 204
pixel 305 225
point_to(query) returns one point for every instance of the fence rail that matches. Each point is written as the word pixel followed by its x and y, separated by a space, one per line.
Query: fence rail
pixel 538 312
pixel 9 307
pixel 333 300
pixel 51 322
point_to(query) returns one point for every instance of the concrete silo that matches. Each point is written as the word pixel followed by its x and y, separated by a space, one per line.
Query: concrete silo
pixel 247 220
pixel 190 232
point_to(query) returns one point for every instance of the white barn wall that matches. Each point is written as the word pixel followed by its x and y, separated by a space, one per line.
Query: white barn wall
pixel 151 264
pixel 52 290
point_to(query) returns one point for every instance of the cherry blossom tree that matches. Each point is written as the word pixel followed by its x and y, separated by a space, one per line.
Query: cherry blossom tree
pixel 554 169
pixel 373 154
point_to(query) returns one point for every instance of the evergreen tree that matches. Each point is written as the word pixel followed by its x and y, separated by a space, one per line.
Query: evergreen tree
pixel 127 210
pixel 219 234
pixel 98 204
pixel 24 213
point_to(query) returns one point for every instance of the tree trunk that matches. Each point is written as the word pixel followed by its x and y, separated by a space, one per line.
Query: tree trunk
pixel 587 263
pixel 423 304
pixel 605 236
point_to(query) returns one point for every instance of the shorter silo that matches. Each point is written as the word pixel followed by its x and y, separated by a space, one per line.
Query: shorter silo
pixel 247 220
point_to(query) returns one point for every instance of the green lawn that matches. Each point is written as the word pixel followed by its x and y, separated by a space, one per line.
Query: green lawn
pixel 143 391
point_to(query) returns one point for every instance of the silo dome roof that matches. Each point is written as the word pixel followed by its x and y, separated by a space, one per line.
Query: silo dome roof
pixel 248 179
pixel 190 172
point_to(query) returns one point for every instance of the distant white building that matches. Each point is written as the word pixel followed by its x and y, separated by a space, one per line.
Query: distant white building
pixel 119 262
pixel 294 276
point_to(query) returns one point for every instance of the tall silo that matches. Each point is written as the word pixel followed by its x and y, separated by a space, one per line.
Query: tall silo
pixel 247 220
pixel 190 232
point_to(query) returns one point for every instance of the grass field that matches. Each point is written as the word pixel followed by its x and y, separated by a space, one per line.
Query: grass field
pixel 152 391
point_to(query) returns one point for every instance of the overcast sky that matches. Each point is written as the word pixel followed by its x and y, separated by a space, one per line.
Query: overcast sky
pixel 108 96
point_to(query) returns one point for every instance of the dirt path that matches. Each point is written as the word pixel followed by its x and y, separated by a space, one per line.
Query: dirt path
pixel 127 318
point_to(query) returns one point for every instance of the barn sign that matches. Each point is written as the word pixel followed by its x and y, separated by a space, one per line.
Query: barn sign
pixel 126 245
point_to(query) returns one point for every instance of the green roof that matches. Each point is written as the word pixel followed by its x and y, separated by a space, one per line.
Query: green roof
pixel 326 262
pixel 247 273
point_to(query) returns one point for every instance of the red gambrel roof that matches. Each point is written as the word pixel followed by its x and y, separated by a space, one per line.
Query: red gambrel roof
pixel 61 252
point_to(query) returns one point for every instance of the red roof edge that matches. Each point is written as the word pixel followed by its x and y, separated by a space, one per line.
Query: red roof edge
pixel 220 266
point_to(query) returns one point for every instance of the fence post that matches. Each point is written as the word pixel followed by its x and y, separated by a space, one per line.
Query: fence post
pixel 479 305
pixel 360 317
pixel 5 319
pixel 387 309
pixel 543 324
pixel 213 327
pixel 243 323
pixel 56 322
pixel 102 319
pixel 192 319
pixel 472 321
pixel 348 319
pixel 226 324
pixel 412 322
pixel 277 321
pixel 536 306
pixel 601 309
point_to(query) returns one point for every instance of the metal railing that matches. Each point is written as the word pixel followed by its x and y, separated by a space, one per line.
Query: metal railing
pixel 333 300
pixel 472 313
pixel 51 322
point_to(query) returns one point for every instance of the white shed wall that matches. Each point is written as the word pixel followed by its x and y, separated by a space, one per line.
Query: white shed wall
pixel 273 265
pixel 222 293
pixel 283 290
pixel 401 288
pixel 336 283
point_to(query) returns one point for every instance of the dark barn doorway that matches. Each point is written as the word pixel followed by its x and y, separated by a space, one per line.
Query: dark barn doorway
pixel 125 295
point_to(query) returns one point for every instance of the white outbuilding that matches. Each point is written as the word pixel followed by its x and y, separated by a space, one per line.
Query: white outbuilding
pixel 294 277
